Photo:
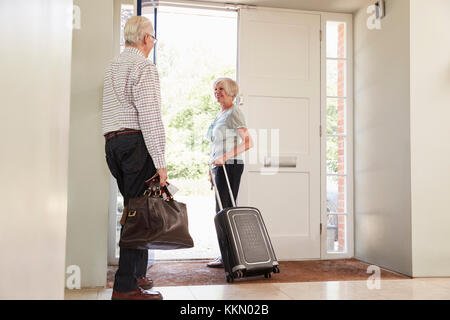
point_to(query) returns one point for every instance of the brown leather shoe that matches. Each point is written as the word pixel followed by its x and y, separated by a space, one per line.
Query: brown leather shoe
pixel 138 294
pixel 145 283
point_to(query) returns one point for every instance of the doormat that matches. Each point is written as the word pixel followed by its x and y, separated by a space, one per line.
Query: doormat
pixel 196 273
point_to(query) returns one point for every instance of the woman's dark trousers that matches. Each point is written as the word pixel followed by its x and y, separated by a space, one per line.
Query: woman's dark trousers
pixel 234 171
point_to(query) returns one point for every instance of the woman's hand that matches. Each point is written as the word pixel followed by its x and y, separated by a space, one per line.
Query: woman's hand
pixel 220 161
pixel 246 144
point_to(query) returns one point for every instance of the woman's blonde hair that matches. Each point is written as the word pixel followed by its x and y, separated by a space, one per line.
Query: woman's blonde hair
pixel 135 30
pixel 229 85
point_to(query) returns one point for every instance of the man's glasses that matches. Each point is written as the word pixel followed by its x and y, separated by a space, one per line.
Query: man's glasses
pixel 154 38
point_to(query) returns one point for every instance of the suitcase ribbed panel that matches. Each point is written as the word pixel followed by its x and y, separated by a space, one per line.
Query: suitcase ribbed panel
pixel 251 238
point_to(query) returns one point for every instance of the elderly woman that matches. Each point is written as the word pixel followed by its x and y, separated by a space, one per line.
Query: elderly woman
pixel 224 134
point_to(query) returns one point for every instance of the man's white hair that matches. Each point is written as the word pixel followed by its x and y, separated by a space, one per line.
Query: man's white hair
pixel 135 30
pixel 229 85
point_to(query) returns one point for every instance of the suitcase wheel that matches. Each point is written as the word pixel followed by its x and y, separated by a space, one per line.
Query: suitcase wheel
pixel 276 269
pixel 268 275
pixel 230 279
pixel 238 274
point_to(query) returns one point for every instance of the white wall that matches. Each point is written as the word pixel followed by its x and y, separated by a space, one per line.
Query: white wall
pixel 87 224
pixel 430 137
pixel 35 97
pixel 382 138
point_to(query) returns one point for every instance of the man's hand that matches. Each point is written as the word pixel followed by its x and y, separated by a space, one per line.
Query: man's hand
pixel 162 176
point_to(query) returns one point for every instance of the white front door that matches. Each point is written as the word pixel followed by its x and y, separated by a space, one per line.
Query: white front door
pixel 279 78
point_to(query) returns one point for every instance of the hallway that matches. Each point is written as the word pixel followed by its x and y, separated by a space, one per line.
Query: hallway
pixel 411 289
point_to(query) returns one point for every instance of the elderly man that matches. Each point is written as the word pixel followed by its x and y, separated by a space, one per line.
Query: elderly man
pixel 135 142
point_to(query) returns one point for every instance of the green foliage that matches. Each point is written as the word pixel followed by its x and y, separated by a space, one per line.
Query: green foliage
pixel 189 107
pixel 332 112
pixel 332 155
pixel 332 143
pixel 193 164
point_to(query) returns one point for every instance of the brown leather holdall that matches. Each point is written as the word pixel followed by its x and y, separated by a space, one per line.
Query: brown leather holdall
pixel 155 223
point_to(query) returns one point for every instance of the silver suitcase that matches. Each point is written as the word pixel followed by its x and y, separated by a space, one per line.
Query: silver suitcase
pixel 243 240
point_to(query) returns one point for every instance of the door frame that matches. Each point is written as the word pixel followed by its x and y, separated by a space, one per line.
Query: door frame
pixel 349 234
pixel 113 189
pixel 324 17
pixel 348 19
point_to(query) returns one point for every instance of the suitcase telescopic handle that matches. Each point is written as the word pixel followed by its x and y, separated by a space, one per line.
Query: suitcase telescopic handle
pixel 217 191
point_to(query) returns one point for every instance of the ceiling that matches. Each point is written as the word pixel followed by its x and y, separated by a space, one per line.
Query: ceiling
pixel 343 6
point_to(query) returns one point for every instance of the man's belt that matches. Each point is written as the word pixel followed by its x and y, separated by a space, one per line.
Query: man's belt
pixel 112 134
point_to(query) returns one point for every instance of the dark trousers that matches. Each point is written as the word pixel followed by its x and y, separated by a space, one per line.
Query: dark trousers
pixel 131 165
pixel 234 171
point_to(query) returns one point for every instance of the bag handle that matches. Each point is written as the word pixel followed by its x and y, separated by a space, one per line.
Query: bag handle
pixel 155 190
pixel 217 191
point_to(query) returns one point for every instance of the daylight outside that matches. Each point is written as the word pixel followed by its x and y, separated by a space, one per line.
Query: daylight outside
pixel 194 47
pixel 201 48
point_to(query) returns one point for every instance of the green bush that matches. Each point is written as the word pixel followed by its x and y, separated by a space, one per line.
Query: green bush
pixel 187 149
pixel 187 75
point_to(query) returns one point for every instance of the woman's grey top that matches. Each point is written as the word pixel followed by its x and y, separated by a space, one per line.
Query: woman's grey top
pixel 222 133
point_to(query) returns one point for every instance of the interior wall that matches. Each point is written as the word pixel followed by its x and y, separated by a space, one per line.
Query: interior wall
pixel 88 194
pixel 430 136
pixel 382 182
pixel 36 41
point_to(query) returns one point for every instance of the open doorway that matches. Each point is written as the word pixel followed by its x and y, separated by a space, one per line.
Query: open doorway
pixel 195 46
